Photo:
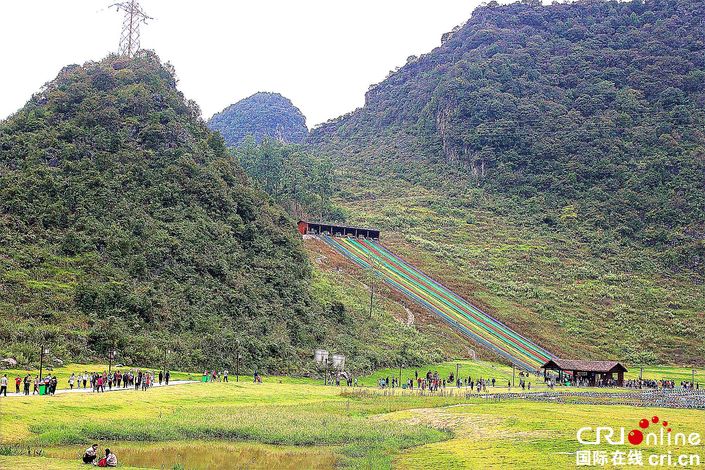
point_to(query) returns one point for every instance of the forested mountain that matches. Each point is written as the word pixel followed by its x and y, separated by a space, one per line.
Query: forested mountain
pixel 549 163
pixel 591 113
pixel 300 181
pixel 260 115
pixel 125 223
pixel 124 220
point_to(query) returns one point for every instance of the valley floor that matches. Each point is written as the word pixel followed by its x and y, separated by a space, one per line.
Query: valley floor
pixel 298 423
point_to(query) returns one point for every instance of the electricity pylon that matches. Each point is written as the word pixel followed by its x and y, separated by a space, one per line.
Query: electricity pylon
pixel 130 36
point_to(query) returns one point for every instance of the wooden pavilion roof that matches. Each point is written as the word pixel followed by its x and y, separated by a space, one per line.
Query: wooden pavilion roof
pixel 584 366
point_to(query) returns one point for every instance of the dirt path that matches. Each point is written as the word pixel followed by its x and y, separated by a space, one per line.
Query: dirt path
pixel 409 316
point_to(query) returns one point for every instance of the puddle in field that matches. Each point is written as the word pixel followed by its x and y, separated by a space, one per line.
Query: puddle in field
pixel 202 455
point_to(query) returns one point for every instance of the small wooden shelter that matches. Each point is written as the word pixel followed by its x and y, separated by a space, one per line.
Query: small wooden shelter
pixel 335 230
pixel 595 372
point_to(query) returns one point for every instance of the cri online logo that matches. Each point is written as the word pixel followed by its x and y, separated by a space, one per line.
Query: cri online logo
pixel 660 434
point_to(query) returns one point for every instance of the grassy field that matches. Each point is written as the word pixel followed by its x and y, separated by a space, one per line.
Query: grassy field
pixel 474 369
pixel 282 424
pixel 271 413
pixel 528 435
pixel 503 373
pixel 675 373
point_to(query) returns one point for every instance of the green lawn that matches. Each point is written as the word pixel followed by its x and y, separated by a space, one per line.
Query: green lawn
pixel 273 413
pixel 669 373
pixel 473 369
pixel 280 421
pixel 531 435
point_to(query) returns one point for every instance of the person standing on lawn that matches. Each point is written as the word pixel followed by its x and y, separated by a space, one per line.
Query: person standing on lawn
pixel 27 381
pixel 3 385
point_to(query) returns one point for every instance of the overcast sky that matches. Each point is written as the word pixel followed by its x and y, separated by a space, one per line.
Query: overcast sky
pixel 322 54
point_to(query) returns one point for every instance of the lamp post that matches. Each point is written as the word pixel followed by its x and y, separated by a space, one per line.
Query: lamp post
pixel 400 367
pixel 457 368
pixel 513 372
pixel 111 356
pixel 237 367
pixel 321 356
pixel 237 361
pixel 167 351
pixel 692 382
pixel 42 352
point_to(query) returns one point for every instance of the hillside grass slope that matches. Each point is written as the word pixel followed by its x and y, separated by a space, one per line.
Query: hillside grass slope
pixel 548 162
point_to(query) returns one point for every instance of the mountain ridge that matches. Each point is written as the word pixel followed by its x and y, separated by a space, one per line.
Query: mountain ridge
pixel 549 161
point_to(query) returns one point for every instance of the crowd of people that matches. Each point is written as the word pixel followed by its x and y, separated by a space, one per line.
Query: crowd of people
pixel 136 378
pixel 639 384
pixel 432 382
pixel 222 376
pixel 22 385
pixel 656 384
pixel 95 381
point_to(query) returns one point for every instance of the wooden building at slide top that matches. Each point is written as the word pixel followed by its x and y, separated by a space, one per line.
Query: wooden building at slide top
pixel 316 228
pixel 594 372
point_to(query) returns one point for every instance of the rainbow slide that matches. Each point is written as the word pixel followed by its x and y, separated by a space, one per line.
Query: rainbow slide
pixel 460 314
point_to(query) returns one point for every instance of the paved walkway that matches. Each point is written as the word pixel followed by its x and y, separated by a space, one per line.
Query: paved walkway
pixel 61 391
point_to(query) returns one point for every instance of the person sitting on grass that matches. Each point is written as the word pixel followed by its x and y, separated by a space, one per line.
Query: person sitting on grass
pixel 110 460
pixel 90 455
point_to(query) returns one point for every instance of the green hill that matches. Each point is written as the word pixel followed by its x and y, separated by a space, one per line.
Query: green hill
pixel 124 223
pixel 123 220
pixel 261 115
pixel 549 162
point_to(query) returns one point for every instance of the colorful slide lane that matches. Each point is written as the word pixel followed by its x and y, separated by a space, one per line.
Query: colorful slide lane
pixel 460 314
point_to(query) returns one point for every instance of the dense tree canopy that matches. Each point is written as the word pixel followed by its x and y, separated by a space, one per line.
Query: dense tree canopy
pixel 300 181
pixel 261 115
pixel 123 220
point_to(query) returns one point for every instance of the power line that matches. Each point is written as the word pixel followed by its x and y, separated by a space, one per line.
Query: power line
pixel 130 35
